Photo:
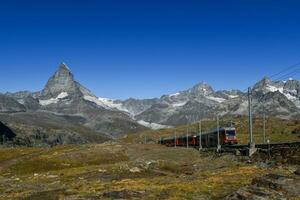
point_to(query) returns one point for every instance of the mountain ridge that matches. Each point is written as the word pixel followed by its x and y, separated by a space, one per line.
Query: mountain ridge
pixel 62 94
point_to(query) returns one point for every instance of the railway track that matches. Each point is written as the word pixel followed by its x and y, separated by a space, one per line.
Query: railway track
pixel 265 146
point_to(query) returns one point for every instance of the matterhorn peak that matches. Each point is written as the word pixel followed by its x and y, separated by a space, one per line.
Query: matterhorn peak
pixel 63 66
pixel 61 81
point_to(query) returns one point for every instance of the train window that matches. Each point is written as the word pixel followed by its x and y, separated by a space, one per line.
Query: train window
pixel 230 132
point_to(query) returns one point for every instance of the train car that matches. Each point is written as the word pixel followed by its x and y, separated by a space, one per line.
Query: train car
pixel 227 136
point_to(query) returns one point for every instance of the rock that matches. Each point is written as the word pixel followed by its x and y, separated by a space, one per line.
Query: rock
pixel 124 194
pixel 102 170
pixel 150 164
pixel 253 192
pixel 52 176
pixel 271 186
pixel 297 172
pixel 66 164
pixel 268 181
pixel 135 170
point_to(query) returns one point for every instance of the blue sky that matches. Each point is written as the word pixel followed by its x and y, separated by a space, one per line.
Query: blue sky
pixel 143 49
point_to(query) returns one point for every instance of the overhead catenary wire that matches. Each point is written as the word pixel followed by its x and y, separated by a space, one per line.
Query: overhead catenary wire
pixel 284 74
pixel 288 75
pixel 285 70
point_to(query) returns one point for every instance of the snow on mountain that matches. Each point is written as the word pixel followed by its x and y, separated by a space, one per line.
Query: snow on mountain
pixel 106 103
pixel 175 94
pixel 154 126
pixel 201 88
pixel 288 88
pixel 272 88
pixel 53 100
pixel 65 95
pixel 179 104
pixel 61 81
pixel 290 97
pixel 217 99
pixel 233 96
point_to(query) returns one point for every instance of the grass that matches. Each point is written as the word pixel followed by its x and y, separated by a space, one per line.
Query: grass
pixel 90 170
pixel 59 157
pixel 7 154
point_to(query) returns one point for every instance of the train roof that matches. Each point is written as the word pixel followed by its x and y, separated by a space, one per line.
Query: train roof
pixel 204 133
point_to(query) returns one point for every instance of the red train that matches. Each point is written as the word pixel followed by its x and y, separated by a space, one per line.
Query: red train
pixel 227 136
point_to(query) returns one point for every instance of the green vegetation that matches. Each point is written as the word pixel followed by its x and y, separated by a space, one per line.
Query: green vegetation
pixel 140 171
pixel 92 170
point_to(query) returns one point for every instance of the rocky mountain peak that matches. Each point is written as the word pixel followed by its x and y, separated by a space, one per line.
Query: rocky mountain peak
pixel 263 83
pixel 267 85
pixel 61 81
pixel 292 85
pixel 202 88
pixel 63 66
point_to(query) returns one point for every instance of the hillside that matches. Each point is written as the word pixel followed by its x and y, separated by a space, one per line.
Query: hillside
pixel 43 128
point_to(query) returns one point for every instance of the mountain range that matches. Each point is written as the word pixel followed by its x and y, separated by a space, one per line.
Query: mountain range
pixel 67 112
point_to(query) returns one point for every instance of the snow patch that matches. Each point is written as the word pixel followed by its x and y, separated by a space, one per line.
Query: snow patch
pixel 66 66
pixel 274 89
pixel 175 94
pixel 290 97
pixel 233 96
pixel 105 102
pixel 179 104
pixel 62 95
pixel 217 99
pixel 53 100
pixel 292 91
pixel 154 126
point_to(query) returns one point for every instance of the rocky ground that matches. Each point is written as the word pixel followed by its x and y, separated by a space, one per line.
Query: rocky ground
pixel 120 170
pixel 271 186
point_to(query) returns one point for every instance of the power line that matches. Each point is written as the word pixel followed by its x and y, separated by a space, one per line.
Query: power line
pixel 282 73
pixel 285 69
pixel 288 75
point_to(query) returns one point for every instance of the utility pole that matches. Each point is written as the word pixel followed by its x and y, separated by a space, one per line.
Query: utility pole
pixel 218 127
pixel 264 127
pixel 250 115
pixel 200 135
pixel 251 143
pixel 175 139
pixel 187 138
